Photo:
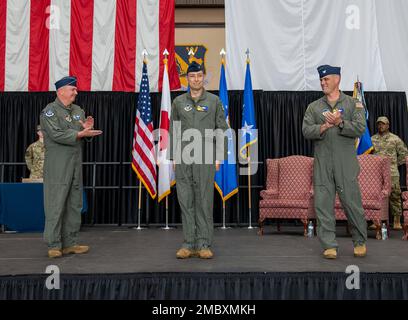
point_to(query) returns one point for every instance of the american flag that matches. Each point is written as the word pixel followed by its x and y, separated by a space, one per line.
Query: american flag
pixel 98 41
pixel 143 155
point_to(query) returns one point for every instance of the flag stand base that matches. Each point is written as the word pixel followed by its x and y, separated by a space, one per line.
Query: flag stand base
pixel 167 228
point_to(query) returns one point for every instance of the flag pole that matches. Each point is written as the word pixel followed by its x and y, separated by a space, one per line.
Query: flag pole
pixel 249 175
pixel 166 227
pixel 224 227
pixel 139 207
pixel 191 53
pixel 167 215
pixel 249 191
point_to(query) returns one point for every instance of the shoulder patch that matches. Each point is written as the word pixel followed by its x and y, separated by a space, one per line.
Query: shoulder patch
pixel 49 113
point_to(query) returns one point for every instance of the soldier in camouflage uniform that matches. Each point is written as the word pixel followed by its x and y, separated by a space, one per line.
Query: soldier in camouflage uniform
pixel 34 156
pixel 198 110
pixel 387 144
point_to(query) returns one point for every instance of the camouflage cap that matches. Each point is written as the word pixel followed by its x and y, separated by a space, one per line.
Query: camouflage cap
pixel 383 120
pixel 38 128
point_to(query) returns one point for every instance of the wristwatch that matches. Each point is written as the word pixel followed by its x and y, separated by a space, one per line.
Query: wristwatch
pixel 341 124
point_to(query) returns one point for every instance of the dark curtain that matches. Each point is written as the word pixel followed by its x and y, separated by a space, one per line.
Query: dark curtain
pixel 111 187
pixel 205 286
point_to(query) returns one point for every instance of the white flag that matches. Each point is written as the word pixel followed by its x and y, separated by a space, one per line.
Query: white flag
pixel 166 172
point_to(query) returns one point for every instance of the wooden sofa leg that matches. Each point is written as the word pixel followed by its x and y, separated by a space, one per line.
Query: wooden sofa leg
pixel 377 229
pixel 261 226
pixel 305 222
pixel 405 228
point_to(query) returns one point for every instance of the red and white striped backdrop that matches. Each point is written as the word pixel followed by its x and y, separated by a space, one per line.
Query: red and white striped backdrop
pixel 99 41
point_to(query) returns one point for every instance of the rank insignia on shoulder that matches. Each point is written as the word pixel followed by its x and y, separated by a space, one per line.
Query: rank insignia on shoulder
pixel 187 108
pixel 359 105
pixel 68 118
pixel 49 113
pixel 76 117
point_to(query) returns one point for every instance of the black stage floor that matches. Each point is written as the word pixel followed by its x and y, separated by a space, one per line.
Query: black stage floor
pixel 124 250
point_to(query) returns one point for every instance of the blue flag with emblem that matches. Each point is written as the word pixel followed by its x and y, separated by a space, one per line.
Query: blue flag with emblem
pixel 248 129
pixel 363 144
pixel 226 177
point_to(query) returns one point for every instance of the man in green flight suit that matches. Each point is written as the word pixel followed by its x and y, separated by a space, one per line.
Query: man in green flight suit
pixel 197 114
pixel 64 126
pixel 333 122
